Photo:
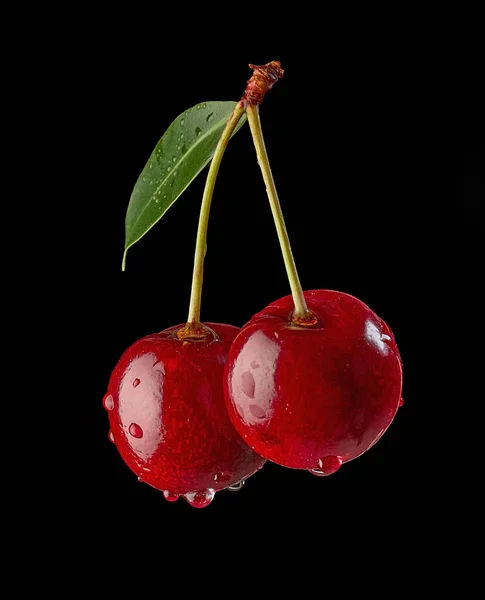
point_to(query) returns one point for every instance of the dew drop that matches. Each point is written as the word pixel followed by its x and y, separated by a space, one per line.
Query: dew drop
pixel 174 159
pixel 327 466
pixel 237 486
pixel 108 402
pixel 200 499
pixel 401 402
pixel 257 411
pixel 204 105
pixel 135 430
pixel 140 479
pixel 111 437
pixel 248 384
pixel 136 382
pixel 198 107
pixel 169 168
pixel 197 131
pixel 170 497
pixel 182 122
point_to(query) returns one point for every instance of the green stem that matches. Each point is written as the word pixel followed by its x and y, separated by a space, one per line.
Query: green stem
pixel 193 321
pixel 301 313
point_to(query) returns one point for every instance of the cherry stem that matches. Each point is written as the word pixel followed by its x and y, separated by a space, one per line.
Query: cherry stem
pixel 193 321
pixel 301 313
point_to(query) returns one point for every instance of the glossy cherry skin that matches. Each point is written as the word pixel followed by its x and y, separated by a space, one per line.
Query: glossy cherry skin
pixel 313 397
pixel 168 418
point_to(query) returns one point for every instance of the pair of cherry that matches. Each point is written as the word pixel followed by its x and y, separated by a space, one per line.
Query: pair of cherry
pixel 310 382
pixel 195 415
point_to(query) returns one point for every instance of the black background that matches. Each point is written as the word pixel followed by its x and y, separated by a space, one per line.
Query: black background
pixel 374 142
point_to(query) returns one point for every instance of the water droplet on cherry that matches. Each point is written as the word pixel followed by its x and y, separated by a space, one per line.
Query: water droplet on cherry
pixel 136 382
pixel 248 384
pixel 108 402
pixel 237 486
pixel 170 497
pixel 257 411
pixel 327 466
pixel 111 437
pixel 140 479
pixel 135 430
pixel 200 499
pixel 401 402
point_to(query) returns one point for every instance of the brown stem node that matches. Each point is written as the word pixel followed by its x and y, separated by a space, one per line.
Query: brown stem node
pixel 263 79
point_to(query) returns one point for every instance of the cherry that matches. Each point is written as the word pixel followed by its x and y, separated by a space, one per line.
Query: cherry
pixel 315 396
pixel 168 418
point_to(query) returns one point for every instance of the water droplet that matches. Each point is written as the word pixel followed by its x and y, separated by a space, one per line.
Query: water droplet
pixel 169 168
pixel 108 402
pixel 198 107
pixel 140 479
pixel 401 402
pixel 182 122
pixel 209 117
pixel 200 499
pixel 237 486
pixel 174 159
pixel 257 411
pixel 204 105
pixel 170 497
pixel 177 146
pixel 111 437
pixel 248 384
pixel 135 430
pixel 327 466
pixel 136 382
pixel 197 131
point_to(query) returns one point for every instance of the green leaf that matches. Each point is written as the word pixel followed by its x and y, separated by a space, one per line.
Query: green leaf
pixel 180 155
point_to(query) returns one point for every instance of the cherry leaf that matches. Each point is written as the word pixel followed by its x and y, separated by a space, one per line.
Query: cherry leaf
pixel 183 151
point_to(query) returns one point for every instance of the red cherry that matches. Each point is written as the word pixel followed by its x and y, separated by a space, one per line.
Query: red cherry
pixel 168 418
pixel 313 397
